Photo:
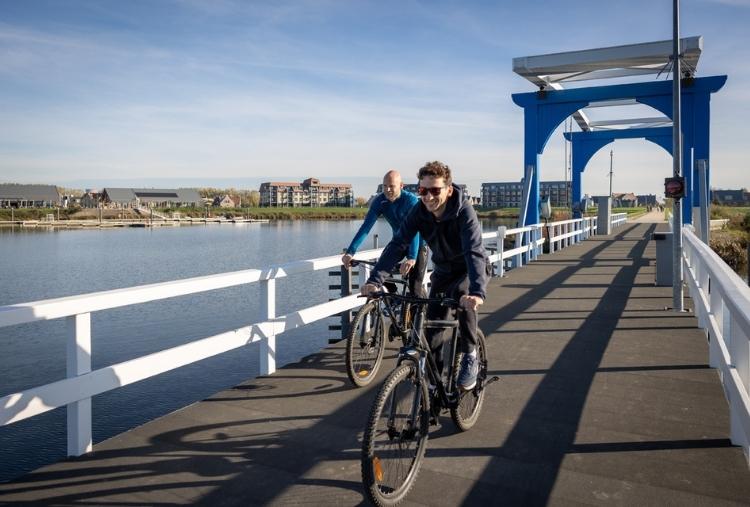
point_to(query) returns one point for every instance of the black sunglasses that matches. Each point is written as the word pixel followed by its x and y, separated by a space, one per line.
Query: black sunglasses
pixel 435 191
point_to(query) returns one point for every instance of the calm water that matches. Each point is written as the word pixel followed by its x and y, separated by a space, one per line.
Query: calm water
pixel 40 264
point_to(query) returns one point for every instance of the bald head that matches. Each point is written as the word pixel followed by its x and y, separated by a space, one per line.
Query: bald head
pixel 392 185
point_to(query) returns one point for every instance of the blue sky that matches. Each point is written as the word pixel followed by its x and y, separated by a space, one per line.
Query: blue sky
pixel 230 92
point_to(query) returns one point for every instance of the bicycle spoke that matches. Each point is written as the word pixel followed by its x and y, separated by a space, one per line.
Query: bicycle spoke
pixel 365 345
pixel 395 438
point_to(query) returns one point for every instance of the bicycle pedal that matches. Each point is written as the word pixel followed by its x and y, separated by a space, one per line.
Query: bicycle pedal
pixel 492 380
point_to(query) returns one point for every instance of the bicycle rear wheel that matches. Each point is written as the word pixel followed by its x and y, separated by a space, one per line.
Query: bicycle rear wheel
pixel 395 438
pixel 365 345
pixel 466 413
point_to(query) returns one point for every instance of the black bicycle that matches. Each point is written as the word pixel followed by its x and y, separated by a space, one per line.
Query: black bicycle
pixel 396 435
pixel 372 325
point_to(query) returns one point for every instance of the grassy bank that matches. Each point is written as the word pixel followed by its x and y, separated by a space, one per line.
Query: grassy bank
pixel 36 213
pixel 730 243
pixel 274 213
pixel 557 213
pixel 260 213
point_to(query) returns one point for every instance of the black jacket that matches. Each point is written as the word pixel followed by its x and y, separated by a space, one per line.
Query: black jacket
pixel 455 241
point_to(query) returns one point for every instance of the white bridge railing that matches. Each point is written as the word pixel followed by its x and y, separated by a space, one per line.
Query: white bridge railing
pixel 722 306
pixel 618 219
pixel 81 383
pixel 529 240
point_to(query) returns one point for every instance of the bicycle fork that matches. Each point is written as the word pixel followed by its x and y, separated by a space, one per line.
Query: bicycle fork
pixel 411 425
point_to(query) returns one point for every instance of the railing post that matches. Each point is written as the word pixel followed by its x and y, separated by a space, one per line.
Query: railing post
pixel 500 247
pixel 739 352
pixel 540 240
pixel 78 352
pixel 527 253
pixel 268 313
pixel 550 235
pixel 529 246
pixel 532 246
pixel 715 308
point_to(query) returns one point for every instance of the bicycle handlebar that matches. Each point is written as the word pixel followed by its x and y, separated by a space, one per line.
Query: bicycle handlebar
pixel 355 262
pixel 449 302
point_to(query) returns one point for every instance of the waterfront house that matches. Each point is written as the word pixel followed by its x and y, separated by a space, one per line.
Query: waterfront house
pixel 224 202
pixel 310 193
pixel 151 198
pixel 14 195
pixel 626 200
pixel 91 199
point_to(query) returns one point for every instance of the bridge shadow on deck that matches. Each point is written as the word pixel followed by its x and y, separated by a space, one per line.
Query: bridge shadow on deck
pixel 605 396
pixel 540 438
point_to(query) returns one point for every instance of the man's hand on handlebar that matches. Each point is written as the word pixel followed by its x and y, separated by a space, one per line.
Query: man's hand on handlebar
pixel 471 302
pixel 406 266
pixel 368 289
pixel 346 260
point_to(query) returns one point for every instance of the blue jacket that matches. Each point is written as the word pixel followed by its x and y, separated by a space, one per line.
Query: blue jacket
pixel 455 241
pixel 394 212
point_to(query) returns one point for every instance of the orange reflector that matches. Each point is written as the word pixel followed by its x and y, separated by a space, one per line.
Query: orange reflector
pixel 363 373
pixel 377 468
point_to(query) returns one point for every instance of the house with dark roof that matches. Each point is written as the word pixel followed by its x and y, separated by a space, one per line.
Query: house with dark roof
pixel 13 195
pixel 626 200
pixel 151 198
pixel 91 199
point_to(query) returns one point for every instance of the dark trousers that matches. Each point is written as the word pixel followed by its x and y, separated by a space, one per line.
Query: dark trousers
pixel 452 286
pixel 416 274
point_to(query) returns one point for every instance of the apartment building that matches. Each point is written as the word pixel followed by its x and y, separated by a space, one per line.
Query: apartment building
pixel 510 194
pixel 310 193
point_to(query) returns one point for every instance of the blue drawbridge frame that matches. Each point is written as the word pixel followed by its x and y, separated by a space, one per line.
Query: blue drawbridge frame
pixel 544 111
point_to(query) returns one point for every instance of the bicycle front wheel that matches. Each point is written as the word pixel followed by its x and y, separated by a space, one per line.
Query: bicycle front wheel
pixel 395 438
pixel 466 413
pixel 365 345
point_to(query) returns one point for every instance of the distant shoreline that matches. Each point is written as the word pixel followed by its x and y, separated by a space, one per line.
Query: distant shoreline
pixel 94 214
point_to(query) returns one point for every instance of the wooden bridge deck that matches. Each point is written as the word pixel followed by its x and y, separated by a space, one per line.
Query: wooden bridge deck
pixel 605 397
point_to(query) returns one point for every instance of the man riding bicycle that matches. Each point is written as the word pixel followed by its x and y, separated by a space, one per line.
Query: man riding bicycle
pixel 394 204
pixel 448 223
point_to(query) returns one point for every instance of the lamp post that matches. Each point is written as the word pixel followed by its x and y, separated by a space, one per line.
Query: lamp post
pixel 611 154
pixel 677 300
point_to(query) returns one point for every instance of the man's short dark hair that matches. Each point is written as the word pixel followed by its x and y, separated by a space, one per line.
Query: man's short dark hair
pixel 436 170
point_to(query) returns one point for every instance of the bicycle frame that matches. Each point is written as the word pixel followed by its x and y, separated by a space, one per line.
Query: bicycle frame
pixel 388 309
pixel 427 365
pixel 418 351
